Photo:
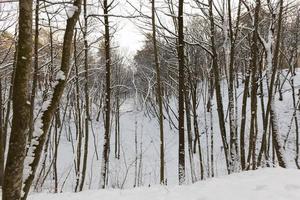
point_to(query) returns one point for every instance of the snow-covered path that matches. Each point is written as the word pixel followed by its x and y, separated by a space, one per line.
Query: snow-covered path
pixel 263 184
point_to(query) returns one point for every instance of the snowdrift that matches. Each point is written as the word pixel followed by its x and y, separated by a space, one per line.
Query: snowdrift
pixel 262 184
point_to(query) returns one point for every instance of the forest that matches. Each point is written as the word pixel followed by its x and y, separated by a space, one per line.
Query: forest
pixel 115 95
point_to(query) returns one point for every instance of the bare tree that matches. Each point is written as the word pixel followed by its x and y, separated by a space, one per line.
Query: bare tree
pixel 52 104
pixel 107 107
pixel 159 97
pixel 217 84
pixel 181 88
pixel 86 91
pixel 21 108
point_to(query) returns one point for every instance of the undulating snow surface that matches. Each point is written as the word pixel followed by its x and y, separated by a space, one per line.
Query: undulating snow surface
pixel 262 184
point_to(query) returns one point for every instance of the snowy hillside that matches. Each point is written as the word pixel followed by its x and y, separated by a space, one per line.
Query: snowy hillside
pixel 207 108
pixel 262 184
pixel 134 122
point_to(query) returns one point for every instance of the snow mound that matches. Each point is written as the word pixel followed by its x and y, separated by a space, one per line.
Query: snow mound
pixel 262 184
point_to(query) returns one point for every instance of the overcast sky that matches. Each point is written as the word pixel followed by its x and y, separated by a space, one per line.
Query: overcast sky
pixel 129 36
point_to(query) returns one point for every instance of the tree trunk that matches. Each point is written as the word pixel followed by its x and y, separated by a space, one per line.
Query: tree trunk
pixel 217 84
pixel 21 110
pixel 86 91
pixel 35 72
pixel 181 88
pixel 1 138
pixel 79 133
pixel 232 112
pixel 273 115
pixel 54 102
pixel 254 77
pixel 105 155
pixel 159 97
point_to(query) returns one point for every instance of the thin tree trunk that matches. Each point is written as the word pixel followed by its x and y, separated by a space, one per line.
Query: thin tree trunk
pixel 79 120
pixel 86 91
pixel 105 155
pixel 232 117
pixel 55 143
pixel 196 130
pixel 263 148
pixel 293 90
pixel 273 115
pixel 253 63
pixel 189 133
pixel 209 109
pixel 217 85
pixel 181 88
pixel 36 68
pixel 10 97
pixel 158 97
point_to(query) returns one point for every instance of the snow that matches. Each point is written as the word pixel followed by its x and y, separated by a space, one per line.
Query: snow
pixel 60 75
pixel 38 131
pixel 262 184
pixel 71 11
pixel 133 119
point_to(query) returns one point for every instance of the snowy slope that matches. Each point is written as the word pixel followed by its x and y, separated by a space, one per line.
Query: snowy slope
pixel 263 184
pixel 133 121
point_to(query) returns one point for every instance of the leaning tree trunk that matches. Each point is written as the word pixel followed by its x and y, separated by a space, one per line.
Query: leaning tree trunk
pixel 48 113
pixel 271 76
pixel 217 84
pixel 273 115
pixel 21 109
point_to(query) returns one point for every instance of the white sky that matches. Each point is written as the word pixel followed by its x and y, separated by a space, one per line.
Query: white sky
pixel 129 36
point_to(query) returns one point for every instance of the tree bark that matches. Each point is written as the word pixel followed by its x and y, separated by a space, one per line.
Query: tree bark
pixel 35 71
pixel 158 97
pixel 254 77
pixel 217 85
pixel 181 88
pixel 273 115
pixel 58 91
pixel 86 91
pixel 107 108
pixel 1 138
pixel 21 110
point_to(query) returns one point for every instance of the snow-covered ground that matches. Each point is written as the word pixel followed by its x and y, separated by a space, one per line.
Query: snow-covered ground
pixel 248 185
pixel 262 184
pixel 133 120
